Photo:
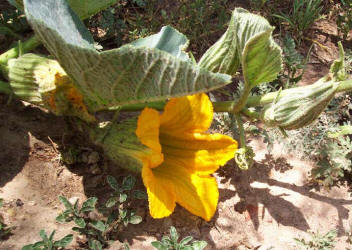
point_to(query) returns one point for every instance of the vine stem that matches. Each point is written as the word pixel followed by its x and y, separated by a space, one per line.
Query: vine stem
pixel 241 130
pixel 25 47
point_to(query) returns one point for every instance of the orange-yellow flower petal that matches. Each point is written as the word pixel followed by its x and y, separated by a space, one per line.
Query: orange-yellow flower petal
pixel 198 194
pixel 203 153
pixel 161 196
pixel 187 114
pixel 148 133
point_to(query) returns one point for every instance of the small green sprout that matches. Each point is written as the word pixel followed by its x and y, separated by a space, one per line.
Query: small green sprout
pixel 171 242
pixel 319 241
pixel 48 243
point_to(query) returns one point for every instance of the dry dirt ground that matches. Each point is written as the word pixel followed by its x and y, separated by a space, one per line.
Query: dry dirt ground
pixel 267 206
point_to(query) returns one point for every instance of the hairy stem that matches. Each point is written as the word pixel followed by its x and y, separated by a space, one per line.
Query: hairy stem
pixel 241 130
pixel 24 47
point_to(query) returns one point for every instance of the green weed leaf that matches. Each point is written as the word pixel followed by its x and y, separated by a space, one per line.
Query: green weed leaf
pixel 199 245
pixel 89 205
pixel 99 225
pixel 64 242
pixel 66 203
pixel 135 219
pixel 80 222
pixel 112 182
pixel 160 246
pixel 111 202
pixel 128 182
pixel 140 195
pixel 123 198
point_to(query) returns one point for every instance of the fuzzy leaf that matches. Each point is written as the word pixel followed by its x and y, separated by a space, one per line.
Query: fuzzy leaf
pixel 168 39
pixel 128 182
pixel 99 225
pixel 64 241
pixel 115 77
pixel 83 8
pixel 80 222
pixel 112 182
pixel 89 204
pixel 135 219
pixel 247 42
pixel 66 203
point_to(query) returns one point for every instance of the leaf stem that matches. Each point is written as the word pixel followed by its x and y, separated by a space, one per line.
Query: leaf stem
pixel 241 130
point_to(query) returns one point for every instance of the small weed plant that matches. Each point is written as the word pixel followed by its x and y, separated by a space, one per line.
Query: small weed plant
pixel 98 232
pixel 344 18
pixel 318 241
pixel 304 13
pixel 171 242
pixel 48 242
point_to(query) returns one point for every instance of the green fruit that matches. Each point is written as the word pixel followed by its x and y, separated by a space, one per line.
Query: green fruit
pixel 300 106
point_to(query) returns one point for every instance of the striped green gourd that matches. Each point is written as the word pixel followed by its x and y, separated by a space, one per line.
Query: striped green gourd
pixel 300 106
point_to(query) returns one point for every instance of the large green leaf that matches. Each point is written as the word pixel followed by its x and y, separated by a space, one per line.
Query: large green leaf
pixel 83 8
pixel 247 42
pixel 169 40
pixel 125 75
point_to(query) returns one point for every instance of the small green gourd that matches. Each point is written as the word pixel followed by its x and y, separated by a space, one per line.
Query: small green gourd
pixel 300 106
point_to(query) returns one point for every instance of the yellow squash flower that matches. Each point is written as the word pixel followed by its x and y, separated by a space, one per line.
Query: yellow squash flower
pixel 183 156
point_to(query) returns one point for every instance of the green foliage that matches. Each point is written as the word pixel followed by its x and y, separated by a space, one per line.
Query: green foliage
pixel 5 231
pixel 171 242
pixel 293 62
pixel 334 161
pixel 98 231
pixel 319 241
pixel 135 75
pixel 48 243
pixel 303 14
pixel 344 18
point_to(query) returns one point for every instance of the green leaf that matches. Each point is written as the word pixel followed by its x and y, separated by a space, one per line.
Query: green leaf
pixel 199 245
pixel 43 235
pixel 123 213
pixel 158 245
pixel 51 237
pixel 168 39
pixel 111 202
pixel 83 8
pixel 135 219
pixel 87 8
pixel 338 67
pixel 28 247
pixel 66 203
pixel 121 76
pixel 173 234
pixel 89 204
pixel 80 222
pixel 64 241
pixel 185 240
pixel 128 182
pixel 138 194
pixel 123 198
pixel 99 225
pixel 112 182
pixel 247 42
pixel 62 218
